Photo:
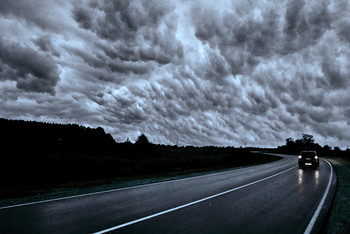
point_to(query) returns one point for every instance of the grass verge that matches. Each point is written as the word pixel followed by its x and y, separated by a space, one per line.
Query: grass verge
pixel 338 222
pixel 77 188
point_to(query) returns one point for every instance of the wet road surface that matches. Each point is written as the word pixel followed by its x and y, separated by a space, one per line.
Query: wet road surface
pixel 271 198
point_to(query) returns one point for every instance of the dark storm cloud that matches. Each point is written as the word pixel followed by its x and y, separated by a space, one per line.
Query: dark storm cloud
pixel 133 30
pixel 123 108
pixel 294 17
pixel 35 13
pixel 305 24
pixel 91 59
pixel 332 71
pixel 343 30
pixel 45 44
pixel 31 70
pixel 123 19
pixel 186 72
pixel 84 17
pixel 243 38
pixel 241 41
pixel 217 68
pixel 128 67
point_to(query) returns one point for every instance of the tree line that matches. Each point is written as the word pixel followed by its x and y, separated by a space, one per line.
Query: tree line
pixel 20 136
pixel 43 155
pixel 307 142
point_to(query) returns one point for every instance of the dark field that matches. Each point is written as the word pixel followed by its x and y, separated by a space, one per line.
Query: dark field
pixel 40 156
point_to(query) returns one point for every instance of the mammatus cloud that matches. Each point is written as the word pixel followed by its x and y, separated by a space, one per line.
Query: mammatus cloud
pixel 187 72
pixel 31 70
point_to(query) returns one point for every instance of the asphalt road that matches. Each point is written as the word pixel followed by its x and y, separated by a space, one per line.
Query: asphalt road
pixel 272 198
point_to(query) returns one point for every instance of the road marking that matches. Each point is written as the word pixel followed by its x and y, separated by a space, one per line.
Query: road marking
pixel 131 187
pixel 317 212
pixel 189 204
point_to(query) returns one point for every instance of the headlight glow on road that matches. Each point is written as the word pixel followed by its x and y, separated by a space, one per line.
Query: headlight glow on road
pixel 300 176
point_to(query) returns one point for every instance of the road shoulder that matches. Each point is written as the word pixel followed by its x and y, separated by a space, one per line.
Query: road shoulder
pixel 340 214
pixel 67 192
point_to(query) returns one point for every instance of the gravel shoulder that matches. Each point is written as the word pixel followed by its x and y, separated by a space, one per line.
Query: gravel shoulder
pixel 338 222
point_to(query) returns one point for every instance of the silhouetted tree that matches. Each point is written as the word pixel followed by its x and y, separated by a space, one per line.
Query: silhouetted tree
pixel 290 142
pixel 326 149
pixel 294 147
pixel 142 140
pixel 307 139
pixel 337 149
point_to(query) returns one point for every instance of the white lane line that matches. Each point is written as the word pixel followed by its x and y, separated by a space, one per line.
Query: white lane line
pixel 317 212
pixel 131 187
pixel 189 204
pixel 125 188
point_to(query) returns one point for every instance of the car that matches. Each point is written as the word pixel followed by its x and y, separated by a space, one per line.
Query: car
pixel 308 158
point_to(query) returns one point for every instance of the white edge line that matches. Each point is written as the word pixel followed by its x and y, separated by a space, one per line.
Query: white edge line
pixel 317 212
pixel 188 204
pixel 130 187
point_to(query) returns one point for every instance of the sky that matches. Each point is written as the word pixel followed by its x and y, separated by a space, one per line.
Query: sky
pixel 224 73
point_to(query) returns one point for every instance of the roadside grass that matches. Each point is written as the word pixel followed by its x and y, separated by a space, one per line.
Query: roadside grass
pixel 339 219
pixel 74 188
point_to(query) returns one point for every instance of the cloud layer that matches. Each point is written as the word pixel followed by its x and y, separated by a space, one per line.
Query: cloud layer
pixel 182 72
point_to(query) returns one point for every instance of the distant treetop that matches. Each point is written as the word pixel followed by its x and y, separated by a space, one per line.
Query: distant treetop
pixel 142 140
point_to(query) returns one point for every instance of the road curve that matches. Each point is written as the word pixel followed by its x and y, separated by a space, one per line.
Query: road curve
pixel 271 198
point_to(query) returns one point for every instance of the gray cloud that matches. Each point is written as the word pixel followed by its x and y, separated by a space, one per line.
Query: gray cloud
pixel 133 28
pixel 305 24
pixel 44 14
pixel 84 17
pixel 45 44
pixel 122 20
pixel 31 70
pixel 187 72
pixel 334 75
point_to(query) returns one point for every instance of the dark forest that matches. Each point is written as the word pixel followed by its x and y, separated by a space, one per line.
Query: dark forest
pixel 37 155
